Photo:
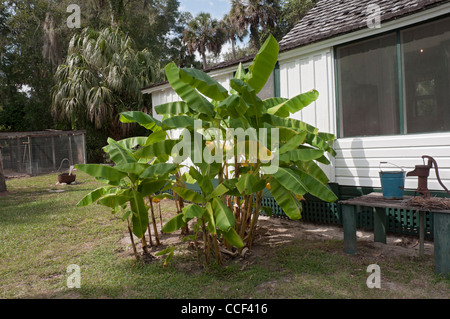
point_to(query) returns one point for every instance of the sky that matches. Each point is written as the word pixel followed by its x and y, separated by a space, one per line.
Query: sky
pixel 217 8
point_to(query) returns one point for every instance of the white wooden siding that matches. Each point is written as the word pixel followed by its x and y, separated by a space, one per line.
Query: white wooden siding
pixel 357 161
pixel 314 71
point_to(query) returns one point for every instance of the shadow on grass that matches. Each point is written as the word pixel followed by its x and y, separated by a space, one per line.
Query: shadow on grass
pixel 34 205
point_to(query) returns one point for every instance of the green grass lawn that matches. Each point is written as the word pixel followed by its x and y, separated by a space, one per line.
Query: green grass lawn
pixel 42 232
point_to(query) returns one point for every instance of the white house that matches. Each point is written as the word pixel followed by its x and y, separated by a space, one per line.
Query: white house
pixel 382 69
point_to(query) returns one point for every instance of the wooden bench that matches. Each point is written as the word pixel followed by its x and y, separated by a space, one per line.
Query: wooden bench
pixel 441 229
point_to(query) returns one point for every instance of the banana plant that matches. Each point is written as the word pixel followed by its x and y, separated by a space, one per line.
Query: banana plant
pixel 130 183
pixel 229 213
pixel 211 120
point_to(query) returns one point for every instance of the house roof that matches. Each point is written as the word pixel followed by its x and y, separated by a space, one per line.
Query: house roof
pixel 331 18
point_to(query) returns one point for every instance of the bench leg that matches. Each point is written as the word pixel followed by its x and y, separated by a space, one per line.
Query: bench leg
pixel 349 223
pixel 379 225
pixel 421 234
pixel 442 244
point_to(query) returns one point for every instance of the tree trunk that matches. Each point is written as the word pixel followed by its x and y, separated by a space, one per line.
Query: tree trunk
pixel 233 47
pixel 204 60
pixel 2 175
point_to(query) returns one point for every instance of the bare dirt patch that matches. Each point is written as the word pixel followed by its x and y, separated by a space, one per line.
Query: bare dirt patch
pixel 274 232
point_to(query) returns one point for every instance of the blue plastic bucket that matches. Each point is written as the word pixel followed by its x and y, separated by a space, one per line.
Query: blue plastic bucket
pixel 392 183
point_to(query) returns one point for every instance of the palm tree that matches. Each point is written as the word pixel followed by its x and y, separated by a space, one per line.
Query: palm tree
pixel 234 30
pixel 202 34
pixel 101 77
pixel 258 15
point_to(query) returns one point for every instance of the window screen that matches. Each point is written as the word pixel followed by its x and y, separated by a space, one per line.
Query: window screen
pixel 426 59
pixel 368 87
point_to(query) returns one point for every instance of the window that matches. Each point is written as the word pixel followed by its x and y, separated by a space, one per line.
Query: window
pixel 368 87
pixel 426 56
pixel 398 83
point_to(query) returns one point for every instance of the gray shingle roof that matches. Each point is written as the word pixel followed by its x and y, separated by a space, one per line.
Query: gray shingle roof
pixel 330 18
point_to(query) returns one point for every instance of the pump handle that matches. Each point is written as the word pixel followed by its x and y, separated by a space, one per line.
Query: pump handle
pixel 431 162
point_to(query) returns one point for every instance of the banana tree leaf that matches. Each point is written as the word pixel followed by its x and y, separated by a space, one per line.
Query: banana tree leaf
pixel 172 108
pixel 126 215
pixel 140 214
pixel 289 123
pixel 169 252
pixel 205 84
pixel 315 187
pixel 174 224
pixel 180 121
pixel 192 211
pixel 155 137
pixel 293 143
pixel 285 200
pixel 131 168
pixel 194 100
pixel 113 200
pixel 317 141
pixel 324 160
pixel 188 195
pixel 290 180
pixel 209 217
pixel 328 137
pixel 294 104
pixel 314 170
pixel 233 106
pixel 240 122
pixel 274 101
pixel 240 72
pixel 267 210
pixel 233 238
pixel 101 171
pixel 205 183
pixel 285 134
pixel 157 149
pixel 142 119
pixel 220 190
pixel 163 196
pixel 118 154
pixel 249 184
pixel 248 93
pixel 223 216
pixel 93 196
pixel 150 187
pixel 302 155
pixel 263 64
pixel 158 170
pixel 129 143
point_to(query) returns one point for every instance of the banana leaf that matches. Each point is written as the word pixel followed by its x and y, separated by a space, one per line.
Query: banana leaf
pixel 140 214
pixel 188 94
pixel 142 119
pixel 101 171
pixel 172 108
pixel 205 84
pixel 284 198
pixel 263 64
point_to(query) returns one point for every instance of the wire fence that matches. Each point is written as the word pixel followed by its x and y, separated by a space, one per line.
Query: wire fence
pixel 36 153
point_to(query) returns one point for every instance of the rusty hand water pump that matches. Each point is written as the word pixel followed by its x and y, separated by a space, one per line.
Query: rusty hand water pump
pixel 422 172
